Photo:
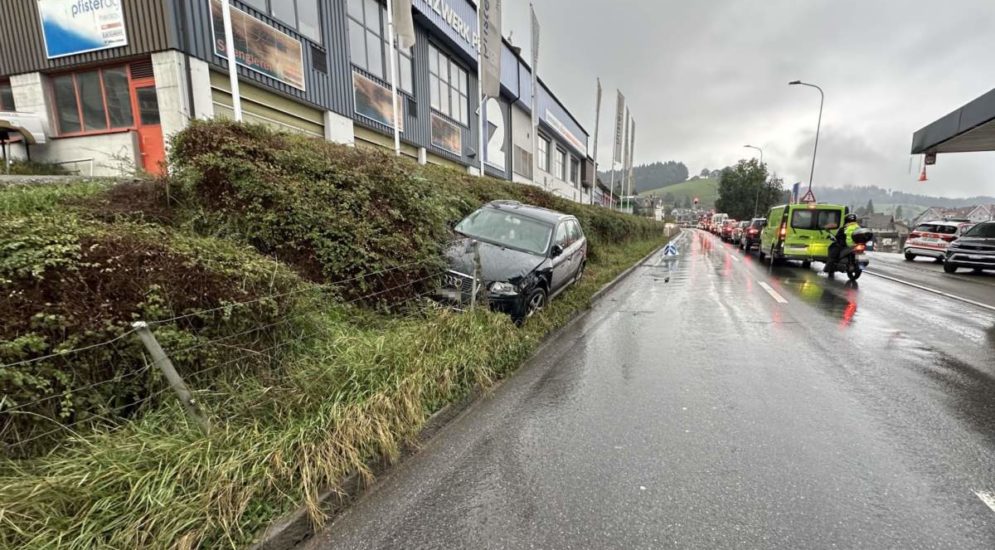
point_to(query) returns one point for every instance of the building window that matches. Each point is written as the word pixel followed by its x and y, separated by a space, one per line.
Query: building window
pixel 369 44
pixel 93 101
pixel 523 162
pixel 559 164
pixel 301 15
pixel 543 152
pixel 574 171
pixel 6 97
pixel 450 86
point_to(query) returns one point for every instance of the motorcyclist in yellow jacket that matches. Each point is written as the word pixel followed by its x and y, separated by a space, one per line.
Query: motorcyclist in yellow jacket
pixel 844 239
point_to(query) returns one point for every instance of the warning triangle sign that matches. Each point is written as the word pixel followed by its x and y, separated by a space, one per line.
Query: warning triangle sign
pixel 809 197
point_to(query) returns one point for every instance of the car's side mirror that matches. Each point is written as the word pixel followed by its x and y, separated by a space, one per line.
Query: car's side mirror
pixel 556 251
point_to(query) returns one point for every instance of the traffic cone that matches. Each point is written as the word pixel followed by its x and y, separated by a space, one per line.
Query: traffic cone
pixel 922 176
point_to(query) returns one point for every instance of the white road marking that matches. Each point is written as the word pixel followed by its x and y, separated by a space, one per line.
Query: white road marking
pixel 735 259
pixel 988 498
pixel 773 293
pixel 932 290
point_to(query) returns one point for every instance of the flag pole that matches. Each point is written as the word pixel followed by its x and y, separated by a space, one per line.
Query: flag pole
pixel 535 84
pixel 393 78
pixel 236 96
pixel 481 120
pixel 597 124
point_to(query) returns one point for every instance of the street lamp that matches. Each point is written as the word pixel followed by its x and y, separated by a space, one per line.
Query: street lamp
pixel 756 203
pixel 822 100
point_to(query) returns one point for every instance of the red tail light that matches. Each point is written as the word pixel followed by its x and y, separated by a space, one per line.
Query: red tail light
pixel 784 231
pixel 860 247
pixel 949 238
pixel 915 235
pixel 753 232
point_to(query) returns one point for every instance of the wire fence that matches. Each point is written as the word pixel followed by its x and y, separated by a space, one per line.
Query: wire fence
pixel 68 393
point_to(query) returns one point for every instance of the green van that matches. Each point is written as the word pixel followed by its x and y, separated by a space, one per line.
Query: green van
pixel 799 232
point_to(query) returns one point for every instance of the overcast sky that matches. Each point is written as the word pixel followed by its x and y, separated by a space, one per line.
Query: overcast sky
pixel 703 78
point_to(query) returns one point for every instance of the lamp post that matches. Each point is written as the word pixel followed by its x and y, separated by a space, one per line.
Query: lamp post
pixel 822 101
pixel 756 203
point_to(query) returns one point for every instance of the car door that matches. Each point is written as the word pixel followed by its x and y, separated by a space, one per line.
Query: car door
pixel 562 265
pixel 580 241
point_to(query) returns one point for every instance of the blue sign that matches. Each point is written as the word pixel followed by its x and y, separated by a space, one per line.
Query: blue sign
pixel 457 19
pixel 71 27
pixel 670 250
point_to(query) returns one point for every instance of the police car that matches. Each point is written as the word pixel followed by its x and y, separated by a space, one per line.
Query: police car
pixel 931 239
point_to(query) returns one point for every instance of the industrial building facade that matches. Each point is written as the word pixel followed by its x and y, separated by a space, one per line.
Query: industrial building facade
pixel 109 81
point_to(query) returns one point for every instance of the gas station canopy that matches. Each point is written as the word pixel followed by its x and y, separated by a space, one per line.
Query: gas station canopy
pixel 968 129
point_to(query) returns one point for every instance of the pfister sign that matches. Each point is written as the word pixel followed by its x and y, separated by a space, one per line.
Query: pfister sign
pixel 72 27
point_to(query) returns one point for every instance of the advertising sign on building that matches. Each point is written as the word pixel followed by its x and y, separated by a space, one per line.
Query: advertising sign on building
pixel 446 135
pixel 260 46
pixel 562 129
pixel 373 101
pixel 71 27
pixel 497 134
pixel 457 19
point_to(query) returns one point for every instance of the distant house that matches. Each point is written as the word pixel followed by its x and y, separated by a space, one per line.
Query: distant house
pixel 877 221
pixel 982 213
pixel 935 213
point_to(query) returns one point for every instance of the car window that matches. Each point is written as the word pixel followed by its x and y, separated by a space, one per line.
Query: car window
pixel 758 223
pixel 982 230
pixel 575 231
pixel 562 237
pixel 816 219
pixel 924 228
pixel 946 229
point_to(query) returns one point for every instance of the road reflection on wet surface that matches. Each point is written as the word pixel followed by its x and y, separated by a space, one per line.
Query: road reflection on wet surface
pixel 711 401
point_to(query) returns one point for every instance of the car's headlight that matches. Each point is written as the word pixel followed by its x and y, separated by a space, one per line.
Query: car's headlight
pixel 506 289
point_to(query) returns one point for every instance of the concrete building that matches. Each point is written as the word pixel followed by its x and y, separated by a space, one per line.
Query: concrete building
pixel 108 83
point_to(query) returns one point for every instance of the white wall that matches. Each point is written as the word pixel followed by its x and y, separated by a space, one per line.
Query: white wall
pixel 171 88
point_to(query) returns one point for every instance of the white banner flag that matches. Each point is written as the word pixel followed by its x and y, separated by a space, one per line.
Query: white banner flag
pixel 619 127
pixel 404 23
pixel 490 46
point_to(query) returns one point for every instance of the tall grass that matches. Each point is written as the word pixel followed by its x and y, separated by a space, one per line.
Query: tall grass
pixel 355 387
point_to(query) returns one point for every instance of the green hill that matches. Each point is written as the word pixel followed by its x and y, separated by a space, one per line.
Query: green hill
pixel 707 191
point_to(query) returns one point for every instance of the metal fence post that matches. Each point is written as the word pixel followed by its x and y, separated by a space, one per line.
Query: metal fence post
pixel 166 366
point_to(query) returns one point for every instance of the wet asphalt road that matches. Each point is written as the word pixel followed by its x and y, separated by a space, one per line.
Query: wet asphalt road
pixel 734 406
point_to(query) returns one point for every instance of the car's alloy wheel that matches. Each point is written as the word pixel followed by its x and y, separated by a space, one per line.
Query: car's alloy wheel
pixel 536 303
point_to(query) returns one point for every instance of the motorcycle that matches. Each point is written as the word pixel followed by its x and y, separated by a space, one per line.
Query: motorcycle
pixel 853 260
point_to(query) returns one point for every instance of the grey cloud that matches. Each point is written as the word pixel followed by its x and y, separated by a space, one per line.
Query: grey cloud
pixel 703 78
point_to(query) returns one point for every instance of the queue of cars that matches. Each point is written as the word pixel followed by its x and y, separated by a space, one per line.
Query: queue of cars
pixel 802 233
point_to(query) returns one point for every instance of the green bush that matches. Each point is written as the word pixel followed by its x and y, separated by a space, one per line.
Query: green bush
pixel 336 212
pixel 35 168
pixel 69 281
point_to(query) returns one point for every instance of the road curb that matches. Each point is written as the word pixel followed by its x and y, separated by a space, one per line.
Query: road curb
pixel 296 527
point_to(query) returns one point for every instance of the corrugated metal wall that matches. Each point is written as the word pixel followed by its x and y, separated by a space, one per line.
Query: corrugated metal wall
pixel 331 91
pixel 22 47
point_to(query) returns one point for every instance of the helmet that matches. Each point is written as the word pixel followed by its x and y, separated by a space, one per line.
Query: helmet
pixel 850 218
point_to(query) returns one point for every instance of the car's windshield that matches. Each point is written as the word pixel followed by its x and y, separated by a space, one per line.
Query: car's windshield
pixel 507 229
pixel 982 230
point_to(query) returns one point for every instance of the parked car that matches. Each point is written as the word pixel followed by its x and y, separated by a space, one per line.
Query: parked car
pixel 931 239
pixel 974 249
pixel 751 235
pixel 725 232
pixel 737 231
pixel 528 255
pixel 800 232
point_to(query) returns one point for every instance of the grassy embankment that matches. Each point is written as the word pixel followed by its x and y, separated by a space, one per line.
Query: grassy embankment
pixel 234 260
pixel 707 191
